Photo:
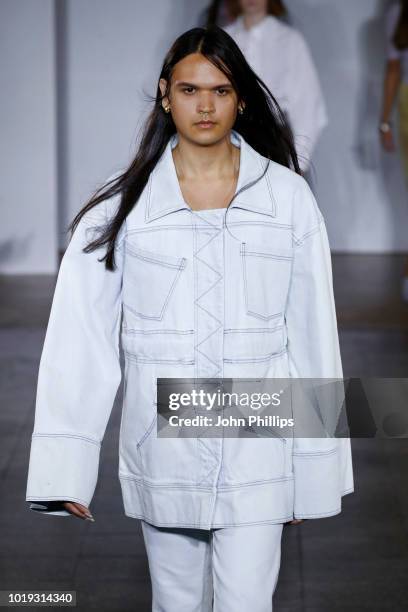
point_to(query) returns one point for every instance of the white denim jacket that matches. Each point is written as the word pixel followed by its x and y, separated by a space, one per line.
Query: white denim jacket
pixel 191 298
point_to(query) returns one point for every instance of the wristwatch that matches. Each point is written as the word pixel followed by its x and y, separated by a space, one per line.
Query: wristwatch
pixel 385 127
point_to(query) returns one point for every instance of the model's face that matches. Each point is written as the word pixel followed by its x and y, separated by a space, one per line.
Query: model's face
pixel 250 7
pixel 200 92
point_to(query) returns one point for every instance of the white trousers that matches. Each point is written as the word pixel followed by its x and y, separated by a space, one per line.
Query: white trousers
pixel 228 569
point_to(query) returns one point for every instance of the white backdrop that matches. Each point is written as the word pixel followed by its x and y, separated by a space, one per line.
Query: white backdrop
pixel 115 52
pixel 74 73
pixel 28 180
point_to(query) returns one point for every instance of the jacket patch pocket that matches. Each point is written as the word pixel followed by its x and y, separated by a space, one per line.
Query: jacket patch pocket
pixel 149 280
pixel 266 278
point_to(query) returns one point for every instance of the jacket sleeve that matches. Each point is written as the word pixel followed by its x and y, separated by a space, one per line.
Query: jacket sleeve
pixel 322 466
pixel 79 373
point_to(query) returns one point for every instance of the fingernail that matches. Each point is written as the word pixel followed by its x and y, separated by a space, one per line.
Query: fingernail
pixel 90 518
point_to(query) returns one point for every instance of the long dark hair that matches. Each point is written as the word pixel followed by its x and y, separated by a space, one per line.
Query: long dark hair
pixel 400 38
pixel 263 125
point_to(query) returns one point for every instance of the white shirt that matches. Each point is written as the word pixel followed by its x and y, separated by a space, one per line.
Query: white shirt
pixel 278 53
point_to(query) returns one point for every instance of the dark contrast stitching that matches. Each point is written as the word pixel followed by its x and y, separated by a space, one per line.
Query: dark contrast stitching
pixel 139 359
pixel 129 330
pixel 145 517
pixel 63 435
pixel 244 252
pixel 256 359
pixel 192 486
pixel 158 317
pixel 245 330
pixel 147 432
pixel 61 497
pixel 168 260
pixel 315 454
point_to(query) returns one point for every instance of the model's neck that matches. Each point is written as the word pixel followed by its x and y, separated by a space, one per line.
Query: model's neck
pixel 251 19
pixel 197 162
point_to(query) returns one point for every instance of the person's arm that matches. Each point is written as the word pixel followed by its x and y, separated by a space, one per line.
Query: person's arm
pixel 79 374
pixel 392 79
pixel 322 466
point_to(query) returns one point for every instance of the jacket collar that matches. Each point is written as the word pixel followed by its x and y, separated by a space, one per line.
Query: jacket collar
pixel 164 194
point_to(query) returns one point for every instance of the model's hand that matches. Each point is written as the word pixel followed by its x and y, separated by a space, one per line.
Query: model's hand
pixel 387 141
pixel 78 510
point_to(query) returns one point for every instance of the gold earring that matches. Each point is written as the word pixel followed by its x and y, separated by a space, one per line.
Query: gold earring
pixel 240 110
pixel 167 108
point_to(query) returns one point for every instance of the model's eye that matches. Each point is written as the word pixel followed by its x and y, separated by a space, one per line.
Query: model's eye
pixel 188 90
pixel 222 91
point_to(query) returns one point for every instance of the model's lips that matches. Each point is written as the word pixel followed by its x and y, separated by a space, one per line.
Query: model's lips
pixel 205 123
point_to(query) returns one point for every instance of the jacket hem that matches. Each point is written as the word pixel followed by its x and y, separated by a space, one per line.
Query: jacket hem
pixel 208 507
pixel 320 483
pixel 213 526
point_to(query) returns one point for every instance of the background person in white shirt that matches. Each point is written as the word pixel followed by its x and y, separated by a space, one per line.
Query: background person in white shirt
pixel 218 12
pixel 279 54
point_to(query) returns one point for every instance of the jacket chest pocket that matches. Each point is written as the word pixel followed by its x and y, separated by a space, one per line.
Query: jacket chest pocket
pixel 266 277
pixel 149 281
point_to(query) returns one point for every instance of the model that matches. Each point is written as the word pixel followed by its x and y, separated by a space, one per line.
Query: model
pixel 207 257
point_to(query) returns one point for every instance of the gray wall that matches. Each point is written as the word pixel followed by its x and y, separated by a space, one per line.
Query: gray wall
pixel 359 187
pixel 28 232
pixel 115 50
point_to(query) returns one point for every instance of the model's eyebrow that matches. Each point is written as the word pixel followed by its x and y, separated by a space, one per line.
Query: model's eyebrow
pixel 186 84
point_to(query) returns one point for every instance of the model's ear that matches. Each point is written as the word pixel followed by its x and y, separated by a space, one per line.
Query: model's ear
pixel 163 85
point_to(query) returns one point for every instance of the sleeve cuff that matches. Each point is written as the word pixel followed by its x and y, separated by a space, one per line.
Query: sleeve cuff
pixel 321 480
pixel 61 467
